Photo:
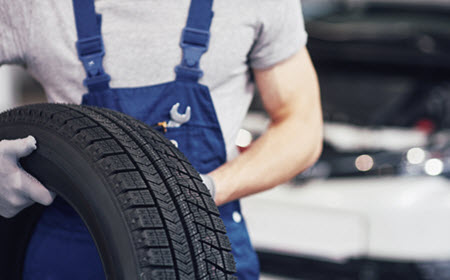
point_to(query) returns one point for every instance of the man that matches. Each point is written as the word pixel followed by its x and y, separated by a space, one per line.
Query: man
pixel 251 42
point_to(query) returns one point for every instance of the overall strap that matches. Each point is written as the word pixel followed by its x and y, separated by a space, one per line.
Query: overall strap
pixel 90 45
pixel 195 40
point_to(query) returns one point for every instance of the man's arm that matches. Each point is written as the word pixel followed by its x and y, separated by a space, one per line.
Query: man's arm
pixel 293 142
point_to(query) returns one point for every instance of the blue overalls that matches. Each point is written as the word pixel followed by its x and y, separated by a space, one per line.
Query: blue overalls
pixel 61 246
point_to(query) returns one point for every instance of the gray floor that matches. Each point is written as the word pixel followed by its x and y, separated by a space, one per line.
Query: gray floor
pixel 271 277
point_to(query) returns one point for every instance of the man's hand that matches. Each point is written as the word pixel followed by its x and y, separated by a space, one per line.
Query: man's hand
pixel 293 142
pixel 18 189
pixel 210 184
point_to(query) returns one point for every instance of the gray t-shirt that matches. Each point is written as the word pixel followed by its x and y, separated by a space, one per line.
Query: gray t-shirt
pixel 142 46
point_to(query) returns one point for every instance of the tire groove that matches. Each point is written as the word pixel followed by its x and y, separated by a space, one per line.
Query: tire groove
pixel 160 173
pixel 154 197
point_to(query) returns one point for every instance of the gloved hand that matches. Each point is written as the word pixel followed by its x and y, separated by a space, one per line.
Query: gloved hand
pixel 18 189
pixel 209 182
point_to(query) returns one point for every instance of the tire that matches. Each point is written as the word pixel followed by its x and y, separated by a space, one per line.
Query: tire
pixel 145 206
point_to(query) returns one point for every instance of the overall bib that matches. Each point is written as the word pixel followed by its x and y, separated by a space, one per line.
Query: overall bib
pixel 61 246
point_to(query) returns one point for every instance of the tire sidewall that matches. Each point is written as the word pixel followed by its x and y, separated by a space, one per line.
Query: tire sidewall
pixel 70 172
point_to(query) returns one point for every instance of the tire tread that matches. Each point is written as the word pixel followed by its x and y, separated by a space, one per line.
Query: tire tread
pixel 175 226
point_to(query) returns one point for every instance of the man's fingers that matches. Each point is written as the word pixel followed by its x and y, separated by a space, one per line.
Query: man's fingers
pixel 8 211
pixel 20 147
pixel 33 189
pixel 209 183
pixel 12 202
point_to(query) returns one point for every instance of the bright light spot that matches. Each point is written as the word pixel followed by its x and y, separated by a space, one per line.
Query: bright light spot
pixel 244 138
pixel 434 167
pixel 415 156
pixel 364 163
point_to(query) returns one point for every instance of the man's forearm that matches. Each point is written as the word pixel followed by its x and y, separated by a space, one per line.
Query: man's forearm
pixel 293 141
pixel 286 149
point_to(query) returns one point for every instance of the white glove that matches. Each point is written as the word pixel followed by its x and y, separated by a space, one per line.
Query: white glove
pixel 209 182
pixel 18 189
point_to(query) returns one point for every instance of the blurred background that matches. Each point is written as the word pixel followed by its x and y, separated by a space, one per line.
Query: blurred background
pixel 377 203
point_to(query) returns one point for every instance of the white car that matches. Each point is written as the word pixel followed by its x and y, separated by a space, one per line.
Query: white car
pixel 362 226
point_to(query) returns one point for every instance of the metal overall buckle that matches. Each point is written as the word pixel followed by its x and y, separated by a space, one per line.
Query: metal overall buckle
pixel 93 62
pixel 192 52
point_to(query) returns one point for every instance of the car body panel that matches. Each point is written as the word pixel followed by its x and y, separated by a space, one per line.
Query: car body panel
pixel 395 218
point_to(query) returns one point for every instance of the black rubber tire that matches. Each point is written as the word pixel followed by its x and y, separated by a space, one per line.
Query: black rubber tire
pixel 145 206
